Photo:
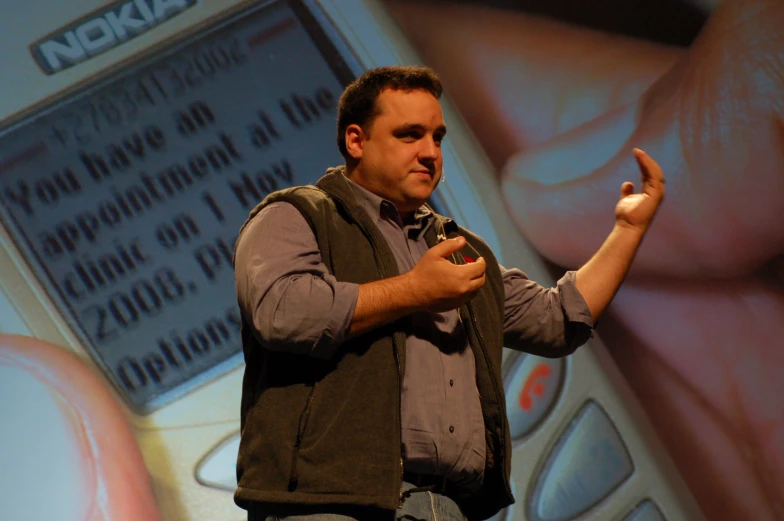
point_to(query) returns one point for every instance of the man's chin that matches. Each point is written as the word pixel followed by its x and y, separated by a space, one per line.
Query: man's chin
pixel 412 204
pixel 421 197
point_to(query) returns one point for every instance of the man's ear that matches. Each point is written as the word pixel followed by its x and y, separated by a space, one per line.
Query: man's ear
pixel 355 141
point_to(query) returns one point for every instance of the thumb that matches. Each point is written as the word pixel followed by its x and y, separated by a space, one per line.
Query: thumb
pixel 520 80
pixel 713 123
pixel 65 438
pixel 447 247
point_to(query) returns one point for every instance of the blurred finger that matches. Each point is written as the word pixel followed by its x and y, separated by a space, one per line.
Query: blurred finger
pixel 570 101
pixel 520 80
pixel 67 450
pixel 713 123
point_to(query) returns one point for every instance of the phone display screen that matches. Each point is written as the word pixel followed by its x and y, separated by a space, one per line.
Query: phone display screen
pixel 126 198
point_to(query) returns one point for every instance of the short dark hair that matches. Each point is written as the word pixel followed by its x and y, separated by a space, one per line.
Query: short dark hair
pixel 358 102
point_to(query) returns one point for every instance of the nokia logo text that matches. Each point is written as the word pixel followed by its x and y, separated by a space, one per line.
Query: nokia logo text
pixel 103 30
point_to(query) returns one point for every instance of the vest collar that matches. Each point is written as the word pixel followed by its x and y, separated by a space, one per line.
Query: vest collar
pixel 336 184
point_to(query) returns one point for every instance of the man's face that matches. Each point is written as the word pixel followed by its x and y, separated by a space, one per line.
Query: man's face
pixel 400 151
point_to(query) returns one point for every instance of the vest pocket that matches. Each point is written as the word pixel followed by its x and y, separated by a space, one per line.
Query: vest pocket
pixel 301 426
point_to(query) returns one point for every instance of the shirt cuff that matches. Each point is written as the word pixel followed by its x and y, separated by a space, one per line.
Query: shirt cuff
pixel 339 320
pixel 572 302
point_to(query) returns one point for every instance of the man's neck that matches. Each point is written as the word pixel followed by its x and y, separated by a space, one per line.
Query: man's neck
pixel 352 175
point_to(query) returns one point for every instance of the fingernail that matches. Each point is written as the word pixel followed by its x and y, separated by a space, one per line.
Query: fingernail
pixel 578 152
pixel 43 450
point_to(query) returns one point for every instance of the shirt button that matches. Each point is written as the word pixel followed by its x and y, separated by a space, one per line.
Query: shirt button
pixel 451 383
pixel 451 428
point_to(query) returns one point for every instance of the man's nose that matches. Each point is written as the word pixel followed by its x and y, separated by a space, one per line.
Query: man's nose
pixel 430 149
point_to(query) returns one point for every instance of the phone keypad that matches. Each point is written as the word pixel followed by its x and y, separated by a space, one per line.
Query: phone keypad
pixel 586 465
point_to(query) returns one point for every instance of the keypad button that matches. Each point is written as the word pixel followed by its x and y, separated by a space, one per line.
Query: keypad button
pixel 588 462
pixel 645 511
pixel 218 469
pixel 532 386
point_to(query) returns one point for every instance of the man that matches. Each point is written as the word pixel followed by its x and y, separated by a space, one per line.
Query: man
pixel 373 328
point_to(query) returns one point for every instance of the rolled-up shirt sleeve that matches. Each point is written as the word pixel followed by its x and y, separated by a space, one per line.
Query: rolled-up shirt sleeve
pixel 284 288
pixel 549 322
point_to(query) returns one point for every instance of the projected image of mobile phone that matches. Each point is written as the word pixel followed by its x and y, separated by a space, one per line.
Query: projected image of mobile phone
pixel 135 139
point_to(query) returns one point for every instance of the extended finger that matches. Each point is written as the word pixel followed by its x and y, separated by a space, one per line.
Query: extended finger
pixel 652 175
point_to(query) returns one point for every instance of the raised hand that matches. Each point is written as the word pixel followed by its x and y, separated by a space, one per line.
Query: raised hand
pixel 637 210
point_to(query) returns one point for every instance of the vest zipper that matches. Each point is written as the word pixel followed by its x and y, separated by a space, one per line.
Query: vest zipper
pixel 498 394
pixel 383 274
pixel 303 422
pixel 368 227
pixel 399 417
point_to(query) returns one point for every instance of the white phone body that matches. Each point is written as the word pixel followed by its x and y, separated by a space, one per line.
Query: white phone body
pixel 135 138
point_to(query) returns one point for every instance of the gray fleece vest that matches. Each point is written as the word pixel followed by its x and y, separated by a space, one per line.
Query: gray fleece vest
pixel 329 431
